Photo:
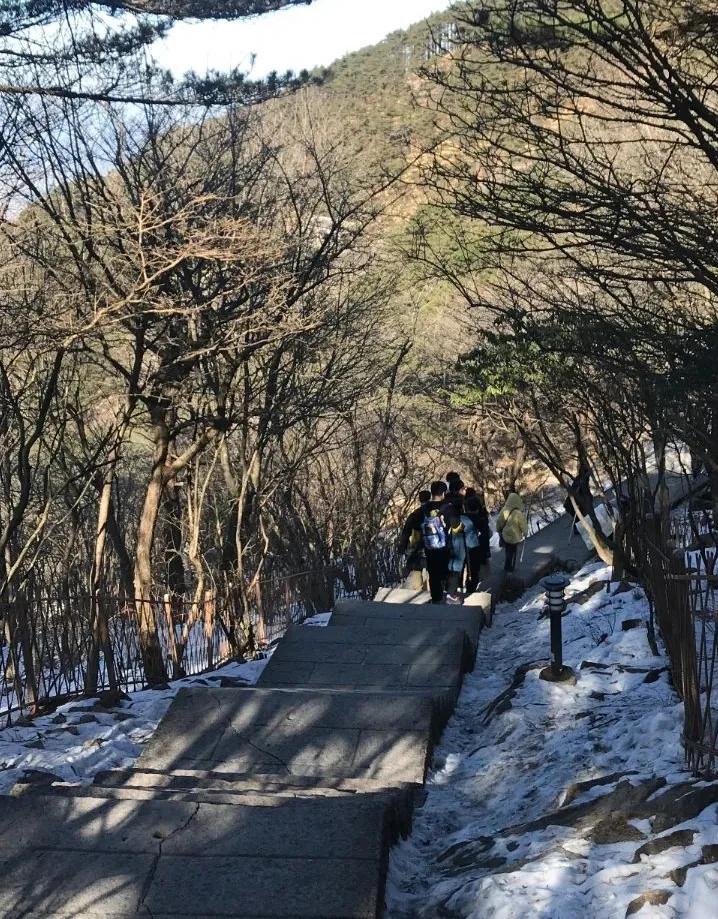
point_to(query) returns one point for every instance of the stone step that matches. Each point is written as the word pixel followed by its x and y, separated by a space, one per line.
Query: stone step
pixel 374 642
pixel 404 796
pixel 205 796
pixel 402 595
pixel 200 779
pixel 399 802
pixel 367 614
pixel 484 596
pixel 382 736
pixel 427 662
pixel 99 858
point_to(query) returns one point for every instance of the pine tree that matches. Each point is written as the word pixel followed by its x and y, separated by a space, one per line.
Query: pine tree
pixel 79 49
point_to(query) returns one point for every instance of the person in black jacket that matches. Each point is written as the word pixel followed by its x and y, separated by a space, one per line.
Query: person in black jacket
pixel 454 503
pixel 427 526
pixel 478 557
pixel 580 489
pixel 413 550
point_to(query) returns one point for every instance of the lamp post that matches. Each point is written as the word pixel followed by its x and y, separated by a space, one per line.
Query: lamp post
pixel 555 585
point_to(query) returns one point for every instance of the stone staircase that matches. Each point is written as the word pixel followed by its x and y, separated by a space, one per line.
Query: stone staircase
pixel 281 800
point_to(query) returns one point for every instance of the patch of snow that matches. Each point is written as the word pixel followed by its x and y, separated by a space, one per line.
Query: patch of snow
pixel 498 768
pixel 320 619
pixel 699 896
pixel 82 737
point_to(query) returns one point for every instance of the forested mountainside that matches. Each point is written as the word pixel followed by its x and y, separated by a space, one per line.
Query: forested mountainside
pixel 204 282
pixel 378 87
pixel 386 65
pixel 243 325
pixel 381 96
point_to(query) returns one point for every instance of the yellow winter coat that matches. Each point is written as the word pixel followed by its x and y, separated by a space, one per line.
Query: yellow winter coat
pixel 511 523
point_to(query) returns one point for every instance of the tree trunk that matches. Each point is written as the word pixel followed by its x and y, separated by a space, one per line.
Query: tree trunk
pixel 150 647
pixel 24 635
pixel 174 566
pixel 162 473
pixel 712 464
pixel 598 541
pixel 124 561
pixel 99 630
pixel 517 465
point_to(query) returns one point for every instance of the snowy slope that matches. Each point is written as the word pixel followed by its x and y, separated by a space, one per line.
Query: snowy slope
pixel 511 758
pixel 507 830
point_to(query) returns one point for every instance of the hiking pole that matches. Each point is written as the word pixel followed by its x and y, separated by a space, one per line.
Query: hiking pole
pixel 523 542
pixel 573 527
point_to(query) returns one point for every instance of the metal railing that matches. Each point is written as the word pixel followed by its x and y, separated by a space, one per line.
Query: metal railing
pixel 57 647
pixel 50 652
pixel 676 563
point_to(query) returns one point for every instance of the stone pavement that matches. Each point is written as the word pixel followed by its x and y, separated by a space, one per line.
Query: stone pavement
pixel 115 859
pixel 419 660
pixel 273 802
pixel 297 732
pixel 394 612
pixel 555 546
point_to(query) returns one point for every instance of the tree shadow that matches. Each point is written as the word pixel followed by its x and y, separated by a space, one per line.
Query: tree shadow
pixel 252 803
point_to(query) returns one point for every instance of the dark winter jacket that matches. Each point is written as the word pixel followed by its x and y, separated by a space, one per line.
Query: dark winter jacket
pixel 480 519
pixel 580 488
pixel 410 543
pixel 453 505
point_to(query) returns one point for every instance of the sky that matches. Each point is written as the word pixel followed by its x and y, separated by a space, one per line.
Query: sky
pixel 293 39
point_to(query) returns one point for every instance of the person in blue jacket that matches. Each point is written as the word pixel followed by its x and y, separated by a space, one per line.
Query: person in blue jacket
pixel 470 536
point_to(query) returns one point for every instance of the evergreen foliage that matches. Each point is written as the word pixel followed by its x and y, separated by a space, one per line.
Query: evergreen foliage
pixel 79 49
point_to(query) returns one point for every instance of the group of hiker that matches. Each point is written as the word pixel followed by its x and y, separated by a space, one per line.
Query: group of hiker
pixel 447 539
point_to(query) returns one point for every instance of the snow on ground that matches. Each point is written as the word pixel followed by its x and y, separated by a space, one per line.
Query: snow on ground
pixel 83 737
pixel 512 753
pixel 502 766
pixel 320 619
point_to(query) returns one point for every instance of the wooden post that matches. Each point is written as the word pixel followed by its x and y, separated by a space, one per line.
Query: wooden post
pixel 260 631
pixel 24 638
pixel 99 642
pixel 106 644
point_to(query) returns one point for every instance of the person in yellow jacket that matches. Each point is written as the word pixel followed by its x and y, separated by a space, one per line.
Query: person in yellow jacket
pixel 512 527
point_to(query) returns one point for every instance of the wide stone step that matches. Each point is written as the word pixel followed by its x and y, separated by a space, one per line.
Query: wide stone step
pixel 399 802
pixel 402 595
pixel 367 614
pixel 205 796
pixel 426 662
pixel 383 736
pixel 382 643
pixel 226 788
pixel 93 857
pixel 203 779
